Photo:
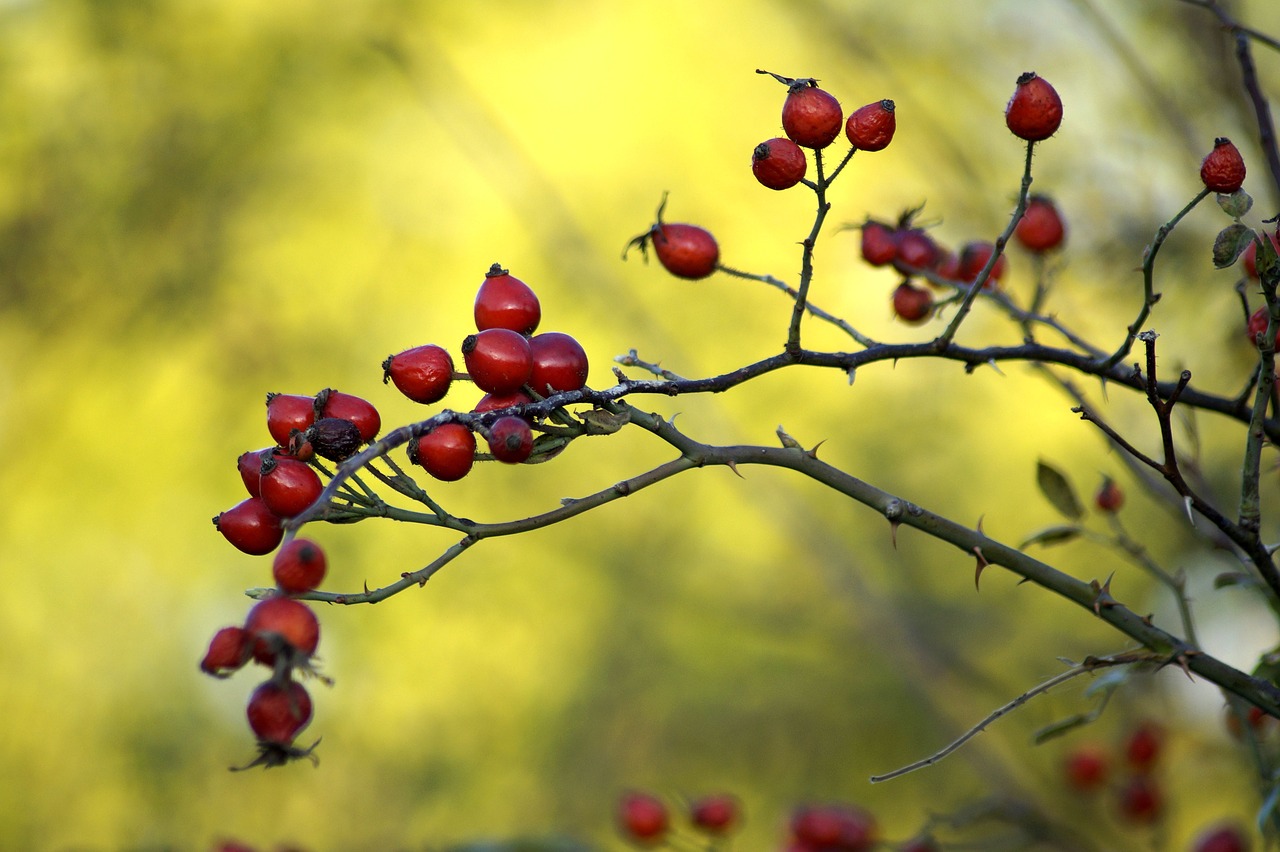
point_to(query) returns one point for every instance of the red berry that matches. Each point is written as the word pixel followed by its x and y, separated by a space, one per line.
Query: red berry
pixel 277 712
pixel 499 401
pixel 778 163
pixel 845 828
pixel 870 128
pixel 1086 767
pixel 344 406
pixel 505 301
pixel 446 452
pixel 1221 838
pixel 1035 110
pixel 916 249
pixel 810 116
pixel 1258 719
pixel 422 373
pixel 510 439
pixel 1141 800
pixel 228 651
pixel 912 304
pixel 642 817
pixel 1109 497
pixel 1040 228
pixel 1143 747
pixel 250 466
pixel 289 411
pixel 289 486
pixel 1250 255
pixel 299 566
pixel 559 363
pixel 250 526
pixel 498 359
pixel 715 814
pixel 282 625
pixel 686 251
pixel 947 265
pixel 879 246
pixel 974 256
pixel 1223 168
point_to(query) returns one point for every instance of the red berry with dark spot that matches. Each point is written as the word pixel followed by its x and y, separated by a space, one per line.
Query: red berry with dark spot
pixel 1035 110
pixel 811 116
pixel 447 452
pixel 505 301
pixel 289 411
pixel 879 245
pixel 559 363
pixel 510 439
pixel 344 406
pixel 250 466
pixel 642 817
pixel 289 486
pixel 282 625
pixel 228 651
pixel 277 712
pixel 912 304
pixel 686 251
pixel 1223 168
pixel 251 527
pixel 1109 497
pixel 499 401
pixel 1086 767
pixel 778 163
pixel 498 359
pixel 715 815
pixel 422 373
pixel 871 128
pixel 1041 227
pixel 1144 746
pixel 1221 838
pixel 299 566
pixel 1141 800
pixel 916 249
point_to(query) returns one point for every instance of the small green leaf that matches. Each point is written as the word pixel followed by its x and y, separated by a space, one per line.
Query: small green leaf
pixel 1051 535
pixel 1236 204
pixel 1057 729
pixel 1234 578
pixel 1058 490
pixel 1230 244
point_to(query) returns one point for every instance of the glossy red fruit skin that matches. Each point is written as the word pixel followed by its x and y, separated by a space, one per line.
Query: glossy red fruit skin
pixel 422 373
pixel 912 304
pixel 278 712
pixel 447 452
pixel 1086 767
pixel 1221 838
pixel 879 245
pixel 974 256
pixel 505 301
pixel 811 116
pixel 871 127
pixel 778 163
pixel 1141 800
pixel 251 527
pixel 228 651
pixel 716 815
pixel 1041 227
pixel 1143 747
pixel 511 439
pixel 344 406
pixel 642 817
pixel 282 624
pixel 289 486
pixel 497 402
pixel 1250 255
pixel 916 249
pixel 498 360
pixel 1034 112
pixel 250 466
pixel 686 251
pixel 299 566
pixel 289 411
pixel 1223 168
pixel 559 363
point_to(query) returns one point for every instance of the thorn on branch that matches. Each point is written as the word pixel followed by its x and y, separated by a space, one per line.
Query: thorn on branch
pixel 1102 595
pixel 982 563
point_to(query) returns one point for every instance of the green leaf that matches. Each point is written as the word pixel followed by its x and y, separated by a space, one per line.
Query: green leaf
pixel 1236 204
pixel 1058 490
pixel 1230 244
pixel 1057 729
pixel 1052 535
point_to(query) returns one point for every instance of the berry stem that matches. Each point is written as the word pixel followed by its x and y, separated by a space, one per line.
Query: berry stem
pixel 806 259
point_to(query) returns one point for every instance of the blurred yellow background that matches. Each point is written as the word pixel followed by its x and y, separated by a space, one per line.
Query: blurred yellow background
pixel 201 202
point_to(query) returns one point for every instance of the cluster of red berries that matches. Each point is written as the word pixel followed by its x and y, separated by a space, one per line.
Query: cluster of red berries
pixel 832 828
pixel 506 360
pixel 1138 795
pixel 645 820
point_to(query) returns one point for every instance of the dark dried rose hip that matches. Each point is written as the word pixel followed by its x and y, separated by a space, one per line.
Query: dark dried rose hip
pixel 333 438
